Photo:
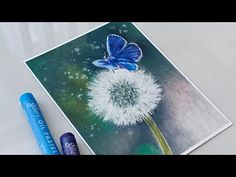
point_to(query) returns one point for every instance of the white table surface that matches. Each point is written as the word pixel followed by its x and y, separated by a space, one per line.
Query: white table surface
pixel 205 52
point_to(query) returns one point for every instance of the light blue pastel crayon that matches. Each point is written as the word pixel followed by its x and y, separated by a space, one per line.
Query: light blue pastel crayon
pixel 38 125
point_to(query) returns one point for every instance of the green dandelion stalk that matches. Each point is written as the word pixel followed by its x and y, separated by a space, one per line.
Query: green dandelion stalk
pixel 159 137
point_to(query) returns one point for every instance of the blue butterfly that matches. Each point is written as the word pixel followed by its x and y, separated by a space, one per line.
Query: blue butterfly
pixel 120 54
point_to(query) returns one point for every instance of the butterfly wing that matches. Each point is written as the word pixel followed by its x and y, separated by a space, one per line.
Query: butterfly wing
pixel 117 47
pixel 131 52
pixel 129 56
pixel 128 65
pixel 115 44
pixel 105 64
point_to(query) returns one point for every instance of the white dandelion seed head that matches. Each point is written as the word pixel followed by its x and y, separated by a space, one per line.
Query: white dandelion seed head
pixel 123 97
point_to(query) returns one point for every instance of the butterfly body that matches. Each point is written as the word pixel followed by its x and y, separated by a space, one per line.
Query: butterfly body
pixel 120 54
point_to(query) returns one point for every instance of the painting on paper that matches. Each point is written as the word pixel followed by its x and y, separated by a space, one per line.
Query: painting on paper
pixel 124 96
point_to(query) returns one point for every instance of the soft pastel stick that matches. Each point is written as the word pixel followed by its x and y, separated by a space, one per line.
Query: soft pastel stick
pixel 69 145
pixel 38 125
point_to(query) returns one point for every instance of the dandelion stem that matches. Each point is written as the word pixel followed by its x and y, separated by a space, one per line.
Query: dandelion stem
pixel 158 136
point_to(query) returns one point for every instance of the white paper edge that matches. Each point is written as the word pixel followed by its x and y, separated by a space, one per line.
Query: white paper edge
pixel 183 153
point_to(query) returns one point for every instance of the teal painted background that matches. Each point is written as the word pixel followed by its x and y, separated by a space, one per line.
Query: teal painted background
pixel 66 70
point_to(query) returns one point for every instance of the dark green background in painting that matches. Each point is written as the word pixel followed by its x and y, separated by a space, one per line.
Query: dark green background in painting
pixel 66 70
